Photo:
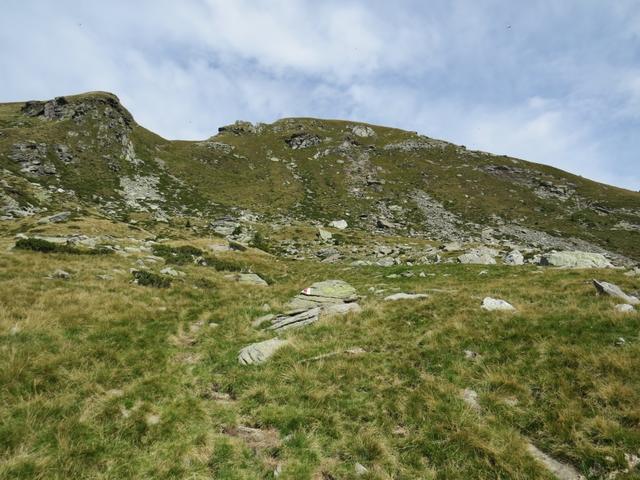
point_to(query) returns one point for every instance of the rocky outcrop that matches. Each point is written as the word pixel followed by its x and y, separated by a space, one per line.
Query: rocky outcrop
pixel 32 158
pixel 302 140
pixel 575 259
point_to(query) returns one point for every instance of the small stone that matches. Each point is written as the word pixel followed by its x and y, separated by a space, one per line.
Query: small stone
pixel 61 274
pixel 324 235
pixel 339 224
pixel 470 397
pixel 360 469
pixel 405 296
pixel 471 355
pixel 620 342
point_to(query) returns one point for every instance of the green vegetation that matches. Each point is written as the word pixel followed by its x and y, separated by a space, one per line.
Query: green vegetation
pixel 150 279
pixel 44 246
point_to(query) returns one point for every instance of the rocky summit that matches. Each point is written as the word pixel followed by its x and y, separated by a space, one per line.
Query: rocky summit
pixel 307 299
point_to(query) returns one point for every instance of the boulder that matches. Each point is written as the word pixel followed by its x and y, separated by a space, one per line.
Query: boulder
pixel 405 296
pixel 257 353
pixel 339 224
pixel 172 272
pixel 324 235
pixel 514 257
pixel 492 304
pixel 363 131
pixel 61 274
pixel 477 258
pixel 575 259
pixel 605 288
pixel 386 262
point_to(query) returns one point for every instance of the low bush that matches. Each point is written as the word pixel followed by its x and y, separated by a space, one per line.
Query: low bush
pixel 150 279
pixel 44 246
pixel 178 255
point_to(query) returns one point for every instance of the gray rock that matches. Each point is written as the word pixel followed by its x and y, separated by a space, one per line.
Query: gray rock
pixel 225 226
pixel 247 278
pixel 363 131
pixel 324 293
pixel 386 262
pixel 285 322
pixel 172 272
pixel 605 288
pixel 324 235
pixel 302 140
pixel 32 158
pixel 561 471
pixel 360 469
pixel 257 353
pixel 475 258
pixel 624 308
pixel 451 247
pixel 575 259
pixel 339 224
pixel 57 218
pixel 492 304
pixel 61 274
pixel 470 397
pixel 514 257
pixel 405 296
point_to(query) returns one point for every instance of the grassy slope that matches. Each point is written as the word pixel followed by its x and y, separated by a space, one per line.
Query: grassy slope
pixel 107 380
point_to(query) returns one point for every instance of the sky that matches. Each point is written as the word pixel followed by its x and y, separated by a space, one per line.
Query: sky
pixel 554 82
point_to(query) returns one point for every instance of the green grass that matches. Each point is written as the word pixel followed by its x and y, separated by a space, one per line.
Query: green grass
pixel 113 380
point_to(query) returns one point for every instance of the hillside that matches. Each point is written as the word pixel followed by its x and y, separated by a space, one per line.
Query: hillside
pixel 308 299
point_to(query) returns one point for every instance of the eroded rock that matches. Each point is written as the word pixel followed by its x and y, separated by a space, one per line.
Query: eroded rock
pixel 260 352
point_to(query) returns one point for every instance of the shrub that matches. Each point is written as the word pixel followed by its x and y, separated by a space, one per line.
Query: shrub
pixel 150 279
pixel 260 241
pixel 44 246
pixel 225 265
pixel 178 255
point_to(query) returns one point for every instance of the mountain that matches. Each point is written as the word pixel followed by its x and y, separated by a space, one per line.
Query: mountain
pixel 378 179
pixel 307 300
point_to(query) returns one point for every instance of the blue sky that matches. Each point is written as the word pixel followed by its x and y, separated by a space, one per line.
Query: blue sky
pixel 548 81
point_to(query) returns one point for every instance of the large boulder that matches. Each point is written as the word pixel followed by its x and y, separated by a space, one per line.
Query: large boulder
pixel 605 288
pixel 575 259
pixel 479 256
pixel 257 353
pixel 324 293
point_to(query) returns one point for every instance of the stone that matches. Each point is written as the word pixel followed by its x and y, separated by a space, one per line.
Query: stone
pixel 405 296
pixel 360 469
pixel 514 257
pixel 620 342
pixel 260 352
pixel 470 397
pixel 384 223
pixel 575 259
pixel 57 218
pixel 324 235
pixel 475 258
pixel 247 278
pixel 386 262
pixel 451 247
pixel 302 140
pixel 605 288
pixel 61 274
pixel 172 272
pixel 322 294
pixel 339 224
pixel 225 226
pixel 561 471
pixel 624 308
pixel 634 272
pixel 363 131
pixel 492 304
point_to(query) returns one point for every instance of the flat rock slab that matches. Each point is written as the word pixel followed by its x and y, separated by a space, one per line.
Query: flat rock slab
pixel 575 259
pixel 257 353
pixel 492 304
pixel 561 471
pixel 248 279
pixel 323 293
pixel 405 296
pixel 297 319
pixel 605 288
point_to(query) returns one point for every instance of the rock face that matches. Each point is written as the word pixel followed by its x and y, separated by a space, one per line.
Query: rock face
pixel 575 259
pixel 492 304
pixel 405 296
pixel 257 353
pixel 32 158
pixel 320 300
pixel 605 288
